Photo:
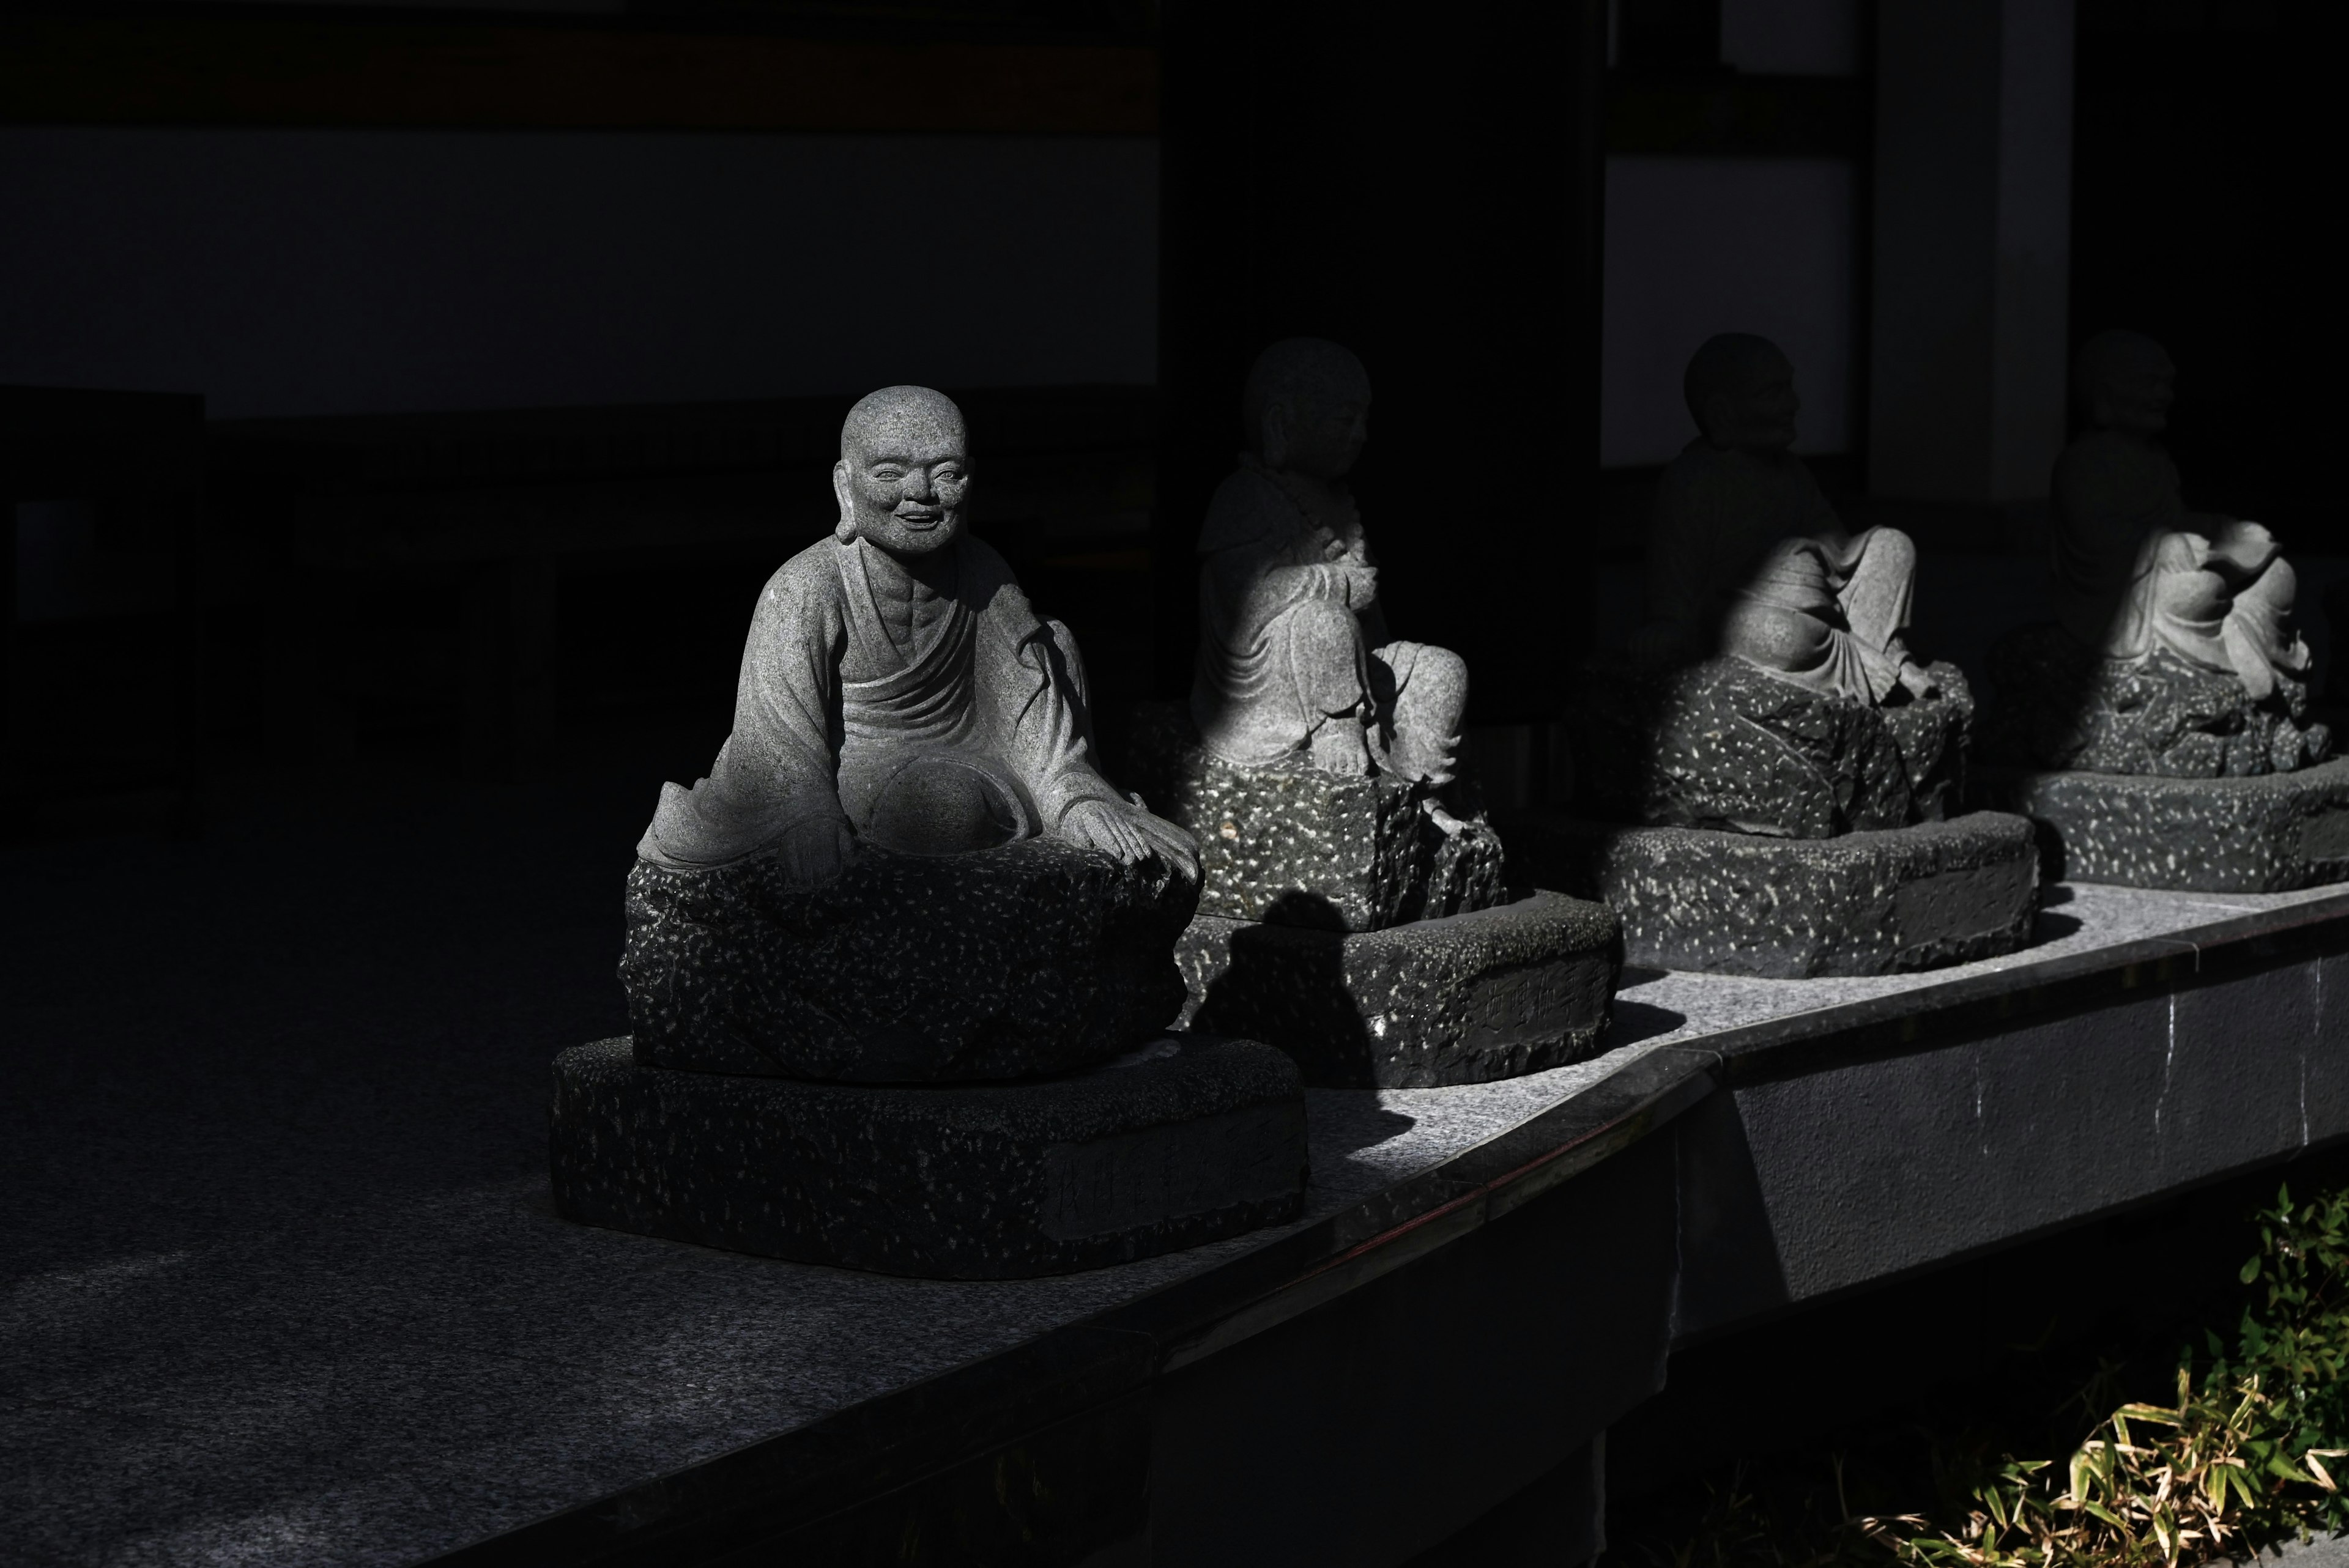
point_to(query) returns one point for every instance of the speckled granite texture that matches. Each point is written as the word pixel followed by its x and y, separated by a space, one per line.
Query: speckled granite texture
pixel 1034 958
pixel 1722 745
pixel 1464 999
pixel 2268 834
pixel 2058 705
pixel 1196 1141
pixel 1740 903
pixel 1301 847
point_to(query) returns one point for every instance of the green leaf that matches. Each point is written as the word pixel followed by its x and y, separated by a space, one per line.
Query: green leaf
pixel 2251 1271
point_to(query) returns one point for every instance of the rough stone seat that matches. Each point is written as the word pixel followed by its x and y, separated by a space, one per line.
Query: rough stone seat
pixel 1037 956
pixel 1720 744
pixel 2058 705
pixel 1297 846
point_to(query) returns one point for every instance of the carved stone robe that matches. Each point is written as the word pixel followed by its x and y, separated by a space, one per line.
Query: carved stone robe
pixel 832 716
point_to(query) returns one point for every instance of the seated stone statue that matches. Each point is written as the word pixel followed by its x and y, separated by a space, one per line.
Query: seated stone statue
pixel 1294 658
pixel 898 689
pixel 2173 650
pixel 1771 690
pixel 1318 757
pixel 1746 557
pixel 904 864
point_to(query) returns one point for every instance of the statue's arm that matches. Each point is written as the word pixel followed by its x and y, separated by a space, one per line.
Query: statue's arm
pixel 773 784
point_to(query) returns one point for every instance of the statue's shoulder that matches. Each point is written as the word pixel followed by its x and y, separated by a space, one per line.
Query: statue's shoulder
pixel 816 570
pixel 807 583
pixel 1249 509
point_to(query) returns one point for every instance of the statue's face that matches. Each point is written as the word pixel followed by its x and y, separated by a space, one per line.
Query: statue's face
pixel 902 483
pixel 2135 393
pixel 1757 415
pixel 1317 437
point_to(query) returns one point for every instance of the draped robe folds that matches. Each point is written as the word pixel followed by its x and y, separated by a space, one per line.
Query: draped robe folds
pixel 1748 559
pixel 1283 648
pixel 829 708
pixel 2135 571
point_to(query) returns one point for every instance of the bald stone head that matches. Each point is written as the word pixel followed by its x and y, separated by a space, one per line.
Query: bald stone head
pixel 1741 393
pixel 2124 381
pixel 1306 407
pixel 903 471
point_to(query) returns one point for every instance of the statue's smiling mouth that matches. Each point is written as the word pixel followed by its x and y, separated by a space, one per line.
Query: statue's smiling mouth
pixel 921 519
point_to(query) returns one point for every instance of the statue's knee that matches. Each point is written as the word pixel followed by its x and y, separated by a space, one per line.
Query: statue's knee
pixel 1888 551
pixel 1442 675
pixel 2276 587
pixel 1325 650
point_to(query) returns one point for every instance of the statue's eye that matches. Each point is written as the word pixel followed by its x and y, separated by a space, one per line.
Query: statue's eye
pixel 889 473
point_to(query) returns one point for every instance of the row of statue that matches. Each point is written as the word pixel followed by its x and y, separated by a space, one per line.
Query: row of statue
pixel 909 865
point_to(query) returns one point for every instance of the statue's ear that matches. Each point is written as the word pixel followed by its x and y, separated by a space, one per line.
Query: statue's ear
pixel 845 528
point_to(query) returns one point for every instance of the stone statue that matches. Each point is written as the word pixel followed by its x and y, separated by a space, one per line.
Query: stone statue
pixel 904 865
pixel 2134 570
pixel 1352 909
pixel 898 690
pixel 1766 782
pixel 1747 558
pixel 2173 651
pixel 1771 690
pixel 1294 656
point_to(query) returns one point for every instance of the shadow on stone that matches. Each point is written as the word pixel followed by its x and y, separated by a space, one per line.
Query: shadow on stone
pixel 1636 1021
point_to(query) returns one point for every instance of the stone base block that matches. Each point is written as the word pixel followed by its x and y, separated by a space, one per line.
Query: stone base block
pixel 1187 1140
pixel 1463 999
pixel 1297 846
pixel 2265 834
pixel 1739 904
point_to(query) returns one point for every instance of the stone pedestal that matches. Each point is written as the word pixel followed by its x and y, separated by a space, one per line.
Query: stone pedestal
pixel 1341 921
pixel 2270 833
pixel 1033 957
pixel 1465 998
pixel 1184 1142
pixel 1740 903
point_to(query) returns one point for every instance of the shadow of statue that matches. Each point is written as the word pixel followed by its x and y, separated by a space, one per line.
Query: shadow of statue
pixel 1285 981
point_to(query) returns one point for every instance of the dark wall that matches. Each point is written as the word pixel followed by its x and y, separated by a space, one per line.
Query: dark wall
pixel 310 271
pixel 1422 185
pixel 2205 149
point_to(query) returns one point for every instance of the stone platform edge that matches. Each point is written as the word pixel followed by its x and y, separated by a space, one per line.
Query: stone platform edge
pixel 792 1483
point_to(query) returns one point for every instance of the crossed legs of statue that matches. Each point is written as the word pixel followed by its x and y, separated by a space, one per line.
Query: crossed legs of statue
pixel 1415 694
pixel 1422 691
pixel 1831 616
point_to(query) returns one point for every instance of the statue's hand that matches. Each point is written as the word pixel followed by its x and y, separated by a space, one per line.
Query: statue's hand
pixel 1131 835
pixel 1362 584
pixel 816 850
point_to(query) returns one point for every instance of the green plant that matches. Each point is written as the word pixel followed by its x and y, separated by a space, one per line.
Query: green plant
pixel 2240 1457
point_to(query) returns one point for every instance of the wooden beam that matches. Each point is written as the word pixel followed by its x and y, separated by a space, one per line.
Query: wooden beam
pixel 165 70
